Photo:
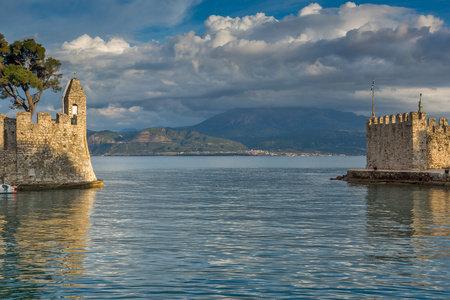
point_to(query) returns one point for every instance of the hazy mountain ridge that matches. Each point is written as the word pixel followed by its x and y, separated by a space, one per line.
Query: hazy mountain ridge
pixel 160 141
pixel 265 122
pixel 274 130
pixel 294 130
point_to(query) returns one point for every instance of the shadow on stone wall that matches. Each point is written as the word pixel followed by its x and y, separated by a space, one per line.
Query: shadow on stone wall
pixel 45 165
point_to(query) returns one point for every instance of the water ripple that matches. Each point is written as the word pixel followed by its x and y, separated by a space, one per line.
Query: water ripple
pixel 205 232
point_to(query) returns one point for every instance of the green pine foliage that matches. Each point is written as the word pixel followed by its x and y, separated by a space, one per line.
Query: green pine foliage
pixel 25 73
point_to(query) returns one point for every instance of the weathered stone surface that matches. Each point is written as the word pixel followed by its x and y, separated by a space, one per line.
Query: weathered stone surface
pixel 431 177
pixel 48 152
pixel 407 142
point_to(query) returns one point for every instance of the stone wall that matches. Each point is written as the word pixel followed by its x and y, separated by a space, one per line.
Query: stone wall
pixel 75 97
pixel 438 144
pixel 48 152
pixel 432 177
pixel 390 142
pixel 407 142
pixel 8 145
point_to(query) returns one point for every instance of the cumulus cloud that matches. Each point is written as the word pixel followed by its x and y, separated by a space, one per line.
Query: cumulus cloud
pixel 115 112
pixel 237 25
pixel 430 21
pixel 312 9
pixel 323 57
pixel 86 45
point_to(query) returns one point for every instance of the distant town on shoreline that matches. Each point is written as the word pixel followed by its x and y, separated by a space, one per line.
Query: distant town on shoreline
pixel 245 131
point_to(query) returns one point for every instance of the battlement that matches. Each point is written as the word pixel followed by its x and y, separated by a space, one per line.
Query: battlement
pixel 406 119
pixel 419 119
pixel 48 151
pixel 45 119
pixel 407 141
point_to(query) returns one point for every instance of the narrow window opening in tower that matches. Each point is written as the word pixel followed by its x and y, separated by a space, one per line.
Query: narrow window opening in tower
pixel 75 109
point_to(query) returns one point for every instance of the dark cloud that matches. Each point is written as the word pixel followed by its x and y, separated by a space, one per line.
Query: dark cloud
pixel 317 57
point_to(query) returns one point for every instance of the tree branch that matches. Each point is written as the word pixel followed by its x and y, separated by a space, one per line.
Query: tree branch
pixel 28 71
pixel 35 102
pixel 12 91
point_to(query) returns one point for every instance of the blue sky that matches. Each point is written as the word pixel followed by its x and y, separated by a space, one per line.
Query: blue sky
pixel 146 63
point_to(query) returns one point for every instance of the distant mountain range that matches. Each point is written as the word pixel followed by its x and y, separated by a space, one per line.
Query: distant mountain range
pixel 271 130
pixel 244 123
pixel 298 130
pixel 160 141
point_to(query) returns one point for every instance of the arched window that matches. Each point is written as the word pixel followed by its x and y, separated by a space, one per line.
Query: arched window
pixel 75 109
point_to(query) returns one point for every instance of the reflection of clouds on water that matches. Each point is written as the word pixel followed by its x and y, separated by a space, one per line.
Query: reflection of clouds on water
pixel 43 240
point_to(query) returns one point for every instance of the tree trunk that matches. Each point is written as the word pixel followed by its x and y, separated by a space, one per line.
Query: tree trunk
pixel 31 105
pixel 31 110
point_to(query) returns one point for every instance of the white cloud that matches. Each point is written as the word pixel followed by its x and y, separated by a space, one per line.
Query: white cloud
pixel 318 68
pixel 222 37
pixel 113 111
pixel 187 45
pixel 312 9
pixel 223 30
pixel 430 21
pixel 92 47
pixel 320 57
pixel 218 23
pixel 169 82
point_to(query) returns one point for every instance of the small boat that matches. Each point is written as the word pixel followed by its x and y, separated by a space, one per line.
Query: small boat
pixel 8 189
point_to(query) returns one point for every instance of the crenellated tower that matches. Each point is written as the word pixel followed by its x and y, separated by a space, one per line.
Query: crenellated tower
pixel 50 152
pixel 407 141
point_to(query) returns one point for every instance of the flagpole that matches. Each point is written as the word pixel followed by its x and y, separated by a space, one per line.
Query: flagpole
pixel 373 97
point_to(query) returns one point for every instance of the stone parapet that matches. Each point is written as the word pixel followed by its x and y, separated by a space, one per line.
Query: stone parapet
pixel 407 141
pixel 406 118
pixel 47 152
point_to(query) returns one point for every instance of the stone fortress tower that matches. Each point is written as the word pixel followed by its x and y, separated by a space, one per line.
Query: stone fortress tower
pixel 408 141
pixel 48 153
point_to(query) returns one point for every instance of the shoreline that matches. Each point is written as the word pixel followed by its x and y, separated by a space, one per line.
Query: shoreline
pixel 229 154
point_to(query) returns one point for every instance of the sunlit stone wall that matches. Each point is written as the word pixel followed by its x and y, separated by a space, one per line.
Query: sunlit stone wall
pixel 407 142
pixel 48 152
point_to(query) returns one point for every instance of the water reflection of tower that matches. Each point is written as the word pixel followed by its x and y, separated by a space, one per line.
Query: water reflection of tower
pixel 404 217
pixel 389 211
pixel 43 239
pixel 434 219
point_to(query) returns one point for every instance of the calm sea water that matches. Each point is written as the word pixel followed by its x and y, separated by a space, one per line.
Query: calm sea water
pixel 226 228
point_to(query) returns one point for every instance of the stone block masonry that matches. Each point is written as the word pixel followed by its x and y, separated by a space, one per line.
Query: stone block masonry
pixel 407 142
pixel 48 152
